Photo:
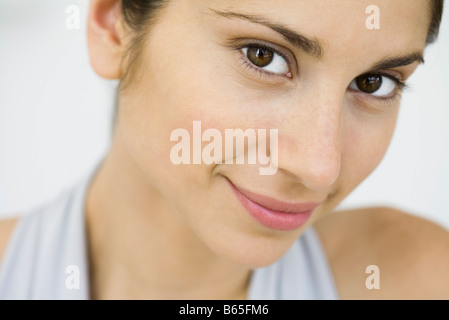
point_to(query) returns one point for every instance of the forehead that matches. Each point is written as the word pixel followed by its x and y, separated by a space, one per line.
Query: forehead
pixel 340 25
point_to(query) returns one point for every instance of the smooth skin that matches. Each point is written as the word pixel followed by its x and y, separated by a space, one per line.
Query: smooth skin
pixel 160 231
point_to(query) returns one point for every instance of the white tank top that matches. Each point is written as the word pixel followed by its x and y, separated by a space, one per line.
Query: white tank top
pixel 46 258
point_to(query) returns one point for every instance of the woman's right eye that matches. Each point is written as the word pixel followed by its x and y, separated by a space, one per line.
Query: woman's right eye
pixel 266 59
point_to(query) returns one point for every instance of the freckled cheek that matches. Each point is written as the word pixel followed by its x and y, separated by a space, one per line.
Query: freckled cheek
pixel 172 98
pixel 157 114
pixel 363 150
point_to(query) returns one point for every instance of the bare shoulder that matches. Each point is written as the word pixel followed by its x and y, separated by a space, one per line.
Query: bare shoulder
pixel 409 255
pixel 6 229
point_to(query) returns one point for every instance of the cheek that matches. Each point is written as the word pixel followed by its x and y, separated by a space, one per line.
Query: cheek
pixel 169 98
pixel 364 145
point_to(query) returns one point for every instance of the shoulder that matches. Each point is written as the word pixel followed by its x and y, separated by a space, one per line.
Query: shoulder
pixel 6 229
pixel 411 253
pixel 46 222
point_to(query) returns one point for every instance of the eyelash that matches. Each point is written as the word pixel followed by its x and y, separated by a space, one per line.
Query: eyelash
pixel 401 85
pixel 259 71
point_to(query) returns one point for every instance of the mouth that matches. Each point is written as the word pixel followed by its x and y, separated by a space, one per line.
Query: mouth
pixel 272 213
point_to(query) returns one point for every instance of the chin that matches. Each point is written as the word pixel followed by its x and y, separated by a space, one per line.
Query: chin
pixel 252 251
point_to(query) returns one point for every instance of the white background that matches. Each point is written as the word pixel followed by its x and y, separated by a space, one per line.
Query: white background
pixel 55 117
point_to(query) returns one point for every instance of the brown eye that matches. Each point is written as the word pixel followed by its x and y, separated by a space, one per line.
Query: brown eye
pixel 267 59
pixel 375 84
pixel 260 57
pixel 369 83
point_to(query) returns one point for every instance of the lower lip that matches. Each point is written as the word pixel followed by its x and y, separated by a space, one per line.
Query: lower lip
pixel 272 219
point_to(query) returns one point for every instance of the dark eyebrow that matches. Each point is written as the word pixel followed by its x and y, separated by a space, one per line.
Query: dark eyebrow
pixel 399 61
pixel 310 46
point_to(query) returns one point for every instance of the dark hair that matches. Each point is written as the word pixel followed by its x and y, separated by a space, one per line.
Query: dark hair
pixel 435 22
pixel 138 16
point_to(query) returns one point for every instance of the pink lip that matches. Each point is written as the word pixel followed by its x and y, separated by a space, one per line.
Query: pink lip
pixel 272 213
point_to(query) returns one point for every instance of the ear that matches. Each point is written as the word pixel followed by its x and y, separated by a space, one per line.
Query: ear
pixel 104 36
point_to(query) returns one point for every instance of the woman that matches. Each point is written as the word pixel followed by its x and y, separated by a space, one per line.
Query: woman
pixel 161 218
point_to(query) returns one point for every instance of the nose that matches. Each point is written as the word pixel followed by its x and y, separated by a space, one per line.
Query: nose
pixel 309 143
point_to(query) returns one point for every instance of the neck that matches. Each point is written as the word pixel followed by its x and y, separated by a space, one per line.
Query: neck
pixel 139 247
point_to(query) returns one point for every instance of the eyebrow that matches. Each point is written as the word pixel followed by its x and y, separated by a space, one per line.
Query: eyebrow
pixel 399 61
pixel 311 47
pixel 314 47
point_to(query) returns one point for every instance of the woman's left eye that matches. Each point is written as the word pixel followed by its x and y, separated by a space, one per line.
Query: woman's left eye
pixel 266 59
pixel 375 84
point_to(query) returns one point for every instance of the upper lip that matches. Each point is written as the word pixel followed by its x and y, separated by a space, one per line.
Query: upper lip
pixel 274 204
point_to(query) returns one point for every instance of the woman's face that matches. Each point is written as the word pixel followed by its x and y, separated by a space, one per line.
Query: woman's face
pixel 296 66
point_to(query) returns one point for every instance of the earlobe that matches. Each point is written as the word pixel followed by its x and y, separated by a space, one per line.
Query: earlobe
pixel 105 34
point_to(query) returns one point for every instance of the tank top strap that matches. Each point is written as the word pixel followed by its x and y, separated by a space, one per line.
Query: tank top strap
pixel 46 254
